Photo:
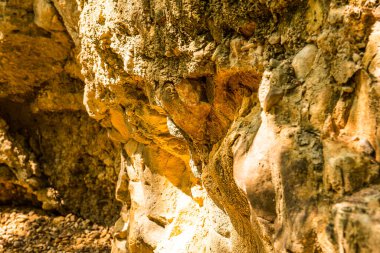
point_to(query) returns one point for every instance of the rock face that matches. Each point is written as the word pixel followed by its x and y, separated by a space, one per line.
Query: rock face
pixel 51 152
pixel 234 126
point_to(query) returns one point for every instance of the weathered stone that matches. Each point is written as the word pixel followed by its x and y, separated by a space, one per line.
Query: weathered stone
pixel 274 39
pixel 304 60
pixel 247 126
pixel 41 96
pixel 46 17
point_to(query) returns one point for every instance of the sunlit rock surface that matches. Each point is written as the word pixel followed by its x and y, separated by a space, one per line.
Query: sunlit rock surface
pixel 225 126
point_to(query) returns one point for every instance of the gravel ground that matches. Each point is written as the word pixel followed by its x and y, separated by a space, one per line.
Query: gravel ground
pixel 24 229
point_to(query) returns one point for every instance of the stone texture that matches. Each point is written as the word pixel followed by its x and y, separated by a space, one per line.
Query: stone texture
pixel 243 126
pixel 52 153
pixel 31 230
pixel 303 61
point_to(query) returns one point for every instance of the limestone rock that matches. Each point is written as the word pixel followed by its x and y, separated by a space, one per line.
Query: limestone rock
pixel 46 16
pixel 219 126
pixel 40 106
pixel 354 222
pixel 304 60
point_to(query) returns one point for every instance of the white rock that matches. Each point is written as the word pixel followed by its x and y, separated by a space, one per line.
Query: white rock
pixel 303 61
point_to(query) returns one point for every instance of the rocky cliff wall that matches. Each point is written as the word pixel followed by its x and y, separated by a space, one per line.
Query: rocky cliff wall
pixel 233 126
pixel 51 152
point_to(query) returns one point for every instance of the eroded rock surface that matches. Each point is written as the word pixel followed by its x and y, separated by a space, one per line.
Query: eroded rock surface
pixel 51 152
pixel 242 126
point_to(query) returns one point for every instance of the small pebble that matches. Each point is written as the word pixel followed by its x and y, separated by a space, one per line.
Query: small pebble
pixel 347 89
pixel 356 57
pixel 274 39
